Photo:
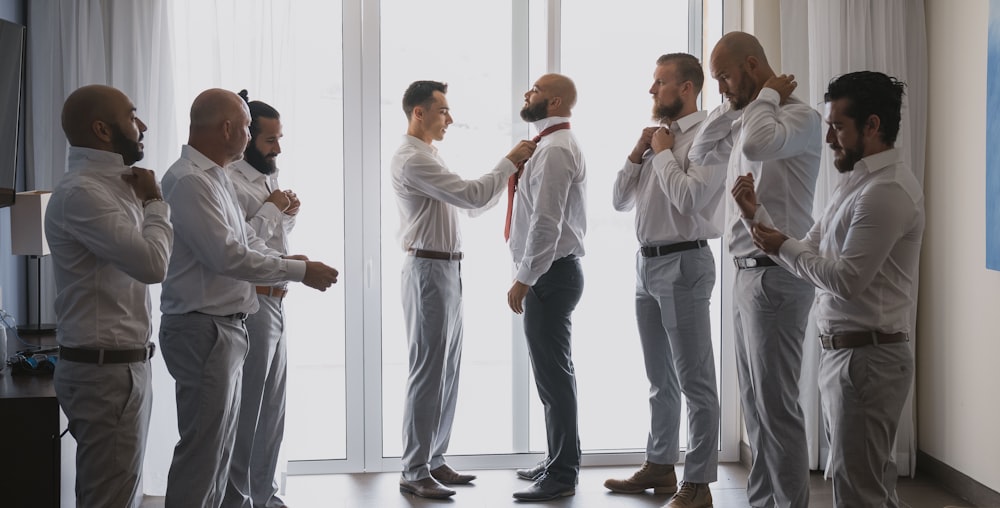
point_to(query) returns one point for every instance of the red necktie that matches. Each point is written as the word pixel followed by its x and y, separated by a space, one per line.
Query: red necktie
pixel 512 181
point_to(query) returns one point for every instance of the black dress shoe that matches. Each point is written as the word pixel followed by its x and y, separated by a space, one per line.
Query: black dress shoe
pixel 448 476
pixel 533 473
pixel 545 489
pixel 425 487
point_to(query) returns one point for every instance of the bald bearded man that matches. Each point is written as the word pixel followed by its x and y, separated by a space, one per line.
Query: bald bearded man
pixel 110 236
pixel 208 294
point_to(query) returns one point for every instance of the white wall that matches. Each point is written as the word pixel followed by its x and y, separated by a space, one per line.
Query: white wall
pixel 958 353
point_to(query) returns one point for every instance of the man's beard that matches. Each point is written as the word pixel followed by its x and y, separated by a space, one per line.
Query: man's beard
pixel 259 161
pixel 743 94
pixel 851 157
pixel 130 150
pixel 667 112
pixel 535 113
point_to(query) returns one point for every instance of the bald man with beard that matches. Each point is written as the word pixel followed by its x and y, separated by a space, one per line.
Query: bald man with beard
pixel 548 223
pixel 208 293
pixel 765 131
pixel 110 235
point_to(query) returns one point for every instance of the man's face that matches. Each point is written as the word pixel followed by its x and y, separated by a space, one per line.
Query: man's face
pixel 735 83
pixel 437 117
pixel 536 103
pixel 263 150
pixel 843 136
pixel 127 134
pixel 667 103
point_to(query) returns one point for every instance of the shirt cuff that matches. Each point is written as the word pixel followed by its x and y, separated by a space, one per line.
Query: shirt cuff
pixel 524 276
pixel 507 166
pixel 790 251
pixel 269 210
pixel 296 269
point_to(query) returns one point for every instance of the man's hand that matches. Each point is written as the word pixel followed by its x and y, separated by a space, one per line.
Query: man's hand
pixel 745 195
pixel 663 139
pixel 642 145
pixel 280 200
pixel 783 84
pixel 143 183
pixel 515 297
pixel 293 203
pixel 319 276
pixel 521 151
pixel 767 239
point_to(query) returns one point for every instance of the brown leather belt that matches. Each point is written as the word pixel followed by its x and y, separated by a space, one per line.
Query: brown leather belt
pixel 272 291
pixel 859 339
pixel 102 356
pixel 663 250
pixel 754 262
pixel 433 254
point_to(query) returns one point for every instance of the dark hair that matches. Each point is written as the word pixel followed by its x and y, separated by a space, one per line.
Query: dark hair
pixel 688 68
pixel 258 109
pixel 870 93
pixel 421 93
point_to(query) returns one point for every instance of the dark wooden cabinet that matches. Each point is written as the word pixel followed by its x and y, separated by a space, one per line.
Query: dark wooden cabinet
pixel 38 466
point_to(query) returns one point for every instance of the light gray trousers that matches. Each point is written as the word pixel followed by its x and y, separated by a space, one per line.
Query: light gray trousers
pixel 432 308
pixel 863 391
pixel 770 310
pixel 108 408
pixel 204 354
pixel 261 424
pixel 672 298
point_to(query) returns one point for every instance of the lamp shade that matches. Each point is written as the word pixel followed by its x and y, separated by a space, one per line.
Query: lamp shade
pixel 27 224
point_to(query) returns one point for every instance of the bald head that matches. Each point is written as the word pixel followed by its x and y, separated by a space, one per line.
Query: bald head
pixel 552 95
pixel 220 120
pixel 739 46
pixel 103 118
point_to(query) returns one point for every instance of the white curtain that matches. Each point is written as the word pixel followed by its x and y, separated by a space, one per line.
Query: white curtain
pixel 820 41
pixel 124 44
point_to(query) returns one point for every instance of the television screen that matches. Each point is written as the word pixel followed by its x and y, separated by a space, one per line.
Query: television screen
pixel 11 63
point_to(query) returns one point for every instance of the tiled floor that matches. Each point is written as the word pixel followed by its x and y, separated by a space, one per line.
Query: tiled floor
pixel 494 488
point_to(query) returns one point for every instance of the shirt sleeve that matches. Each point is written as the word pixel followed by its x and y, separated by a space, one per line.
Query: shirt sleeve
pixel 107 230
pixel 201 224
pixel 714 141
pixel 690 191
pixel 551 183
pixel 428 177
pixel 877 223
pixel 772 131
pixel 623 194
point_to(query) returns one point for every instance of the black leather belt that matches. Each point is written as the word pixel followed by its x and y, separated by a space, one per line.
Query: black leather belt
pixel 858 339
pixel 663 250
pixel 754 262
pixel 237 315
pixel 102 356
pixel 433 254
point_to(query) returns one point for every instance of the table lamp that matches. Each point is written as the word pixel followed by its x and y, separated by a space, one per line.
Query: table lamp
pixel 27 238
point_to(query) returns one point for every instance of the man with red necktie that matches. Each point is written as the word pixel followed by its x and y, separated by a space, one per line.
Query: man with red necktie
pixel 548 222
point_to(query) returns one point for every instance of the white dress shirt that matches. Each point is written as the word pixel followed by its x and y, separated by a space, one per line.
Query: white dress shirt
pixel 216 255
pixel 550 206
pixel 863 253
pixel 252 190
pixel 675 201
pixel 427 195
pixel 780 146
pixel 105 249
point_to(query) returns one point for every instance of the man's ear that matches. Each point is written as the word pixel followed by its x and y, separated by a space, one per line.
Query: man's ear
pixel 227 129
pixel 418 112
pixel 101 130
pixel 555 103
pixel 872 125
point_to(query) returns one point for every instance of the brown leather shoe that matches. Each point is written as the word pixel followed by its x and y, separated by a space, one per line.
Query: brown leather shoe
pixel 659 477
pixel 448 476
pixel 691 495
pixel 425 487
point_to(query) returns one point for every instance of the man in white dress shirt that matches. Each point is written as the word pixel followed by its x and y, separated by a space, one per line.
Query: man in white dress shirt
pixel 676 211
pixel 546 242
pixel 270 212
pixel 110 235
pixel 765 131
pixel 429 196
pixel 206 296
pixel 863 257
